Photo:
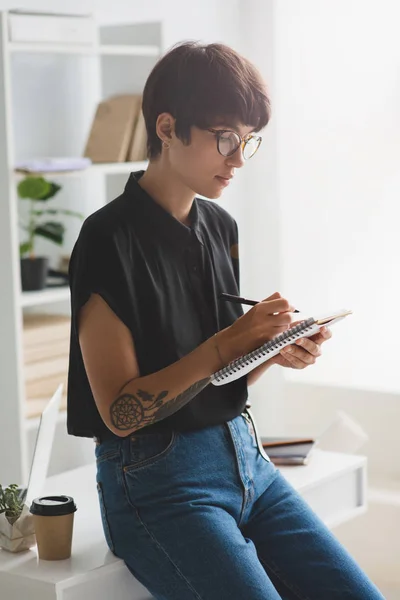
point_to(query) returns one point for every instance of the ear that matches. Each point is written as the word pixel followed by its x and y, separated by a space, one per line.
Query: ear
pixel 165 128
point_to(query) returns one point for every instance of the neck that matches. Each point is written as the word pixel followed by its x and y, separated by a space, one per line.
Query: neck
pixel 167 190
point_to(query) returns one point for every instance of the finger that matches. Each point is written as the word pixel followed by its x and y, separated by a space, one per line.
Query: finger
pixel 296 323
pixel 297 357
pixel 278 320
pixel 322 336
pixel 267 335
pixel 310 346
pixel 293 352
pixel 275 306
pixel 273 296
pixel 293 361
pixel 326 333
pixel 318 339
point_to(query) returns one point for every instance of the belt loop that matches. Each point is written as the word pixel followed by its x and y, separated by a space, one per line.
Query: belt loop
pixel 258 440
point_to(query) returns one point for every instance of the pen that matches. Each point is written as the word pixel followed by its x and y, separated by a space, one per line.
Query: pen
pixel 240 300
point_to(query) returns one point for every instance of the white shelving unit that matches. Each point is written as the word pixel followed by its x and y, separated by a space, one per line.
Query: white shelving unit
pixel 48 96
pixel 117 50
pixel 47 296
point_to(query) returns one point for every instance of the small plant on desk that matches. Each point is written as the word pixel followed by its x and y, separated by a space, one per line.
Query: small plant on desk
pixel 16 523
pixel 10 502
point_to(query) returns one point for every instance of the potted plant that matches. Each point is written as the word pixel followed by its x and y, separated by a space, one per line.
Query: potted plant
pixel 38 190
pixel 17 531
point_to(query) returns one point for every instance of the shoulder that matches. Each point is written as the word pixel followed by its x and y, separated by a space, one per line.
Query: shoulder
pixel 104 241
pixel 106 225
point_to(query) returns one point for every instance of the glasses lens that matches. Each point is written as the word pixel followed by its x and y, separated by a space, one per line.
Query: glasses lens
pixel 228 143
pixel 251 146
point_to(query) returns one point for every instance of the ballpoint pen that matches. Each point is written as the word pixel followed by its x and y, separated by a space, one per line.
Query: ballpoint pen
pixel 240 300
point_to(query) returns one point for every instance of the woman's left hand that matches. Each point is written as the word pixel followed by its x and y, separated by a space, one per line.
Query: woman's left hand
pixel 302 353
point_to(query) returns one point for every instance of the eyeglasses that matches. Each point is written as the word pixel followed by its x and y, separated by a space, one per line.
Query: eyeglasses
pixel 228 142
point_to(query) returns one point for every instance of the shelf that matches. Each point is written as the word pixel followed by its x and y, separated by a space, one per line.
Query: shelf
pixel 129 50
pixel 116 168
pixel 109 50
pixel 122 168
pixel 46 296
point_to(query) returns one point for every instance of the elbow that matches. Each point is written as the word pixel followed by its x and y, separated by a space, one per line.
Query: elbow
pixel 123 415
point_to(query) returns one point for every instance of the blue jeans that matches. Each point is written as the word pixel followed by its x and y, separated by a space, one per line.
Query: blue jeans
pixel 203 515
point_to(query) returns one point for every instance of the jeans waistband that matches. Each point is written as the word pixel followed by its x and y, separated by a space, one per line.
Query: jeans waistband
pixel 106 435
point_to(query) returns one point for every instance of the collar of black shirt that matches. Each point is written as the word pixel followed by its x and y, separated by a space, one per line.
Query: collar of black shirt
pixel 144 207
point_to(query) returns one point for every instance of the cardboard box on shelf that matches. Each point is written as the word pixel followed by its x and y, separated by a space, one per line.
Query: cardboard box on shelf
pixel 112 129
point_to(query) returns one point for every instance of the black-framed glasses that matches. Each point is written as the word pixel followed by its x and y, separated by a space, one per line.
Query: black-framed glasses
pixel 228 142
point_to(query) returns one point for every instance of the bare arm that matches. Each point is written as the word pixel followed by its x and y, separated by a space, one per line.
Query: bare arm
pixel 125 400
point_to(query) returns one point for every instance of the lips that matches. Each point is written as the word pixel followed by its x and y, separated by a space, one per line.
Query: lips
pixel 223 180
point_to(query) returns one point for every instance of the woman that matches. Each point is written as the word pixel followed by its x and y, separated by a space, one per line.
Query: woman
pixel 188 498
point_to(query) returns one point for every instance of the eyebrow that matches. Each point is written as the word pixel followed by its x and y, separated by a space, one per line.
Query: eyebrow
pixel 230 127
pixel 226 125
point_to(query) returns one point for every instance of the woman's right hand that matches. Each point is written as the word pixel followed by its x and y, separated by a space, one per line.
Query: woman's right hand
pixel 261 323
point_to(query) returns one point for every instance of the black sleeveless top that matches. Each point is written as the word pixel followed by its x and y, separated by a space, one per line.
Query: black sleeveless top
pixel 162 279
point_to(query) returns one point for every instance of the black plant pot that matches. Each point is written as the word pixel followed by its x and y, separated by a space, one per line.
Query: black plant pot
pixel 34 273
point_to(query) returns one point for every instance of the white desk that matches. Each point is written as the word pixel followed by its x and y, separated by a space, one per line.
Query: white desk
pixel 333 484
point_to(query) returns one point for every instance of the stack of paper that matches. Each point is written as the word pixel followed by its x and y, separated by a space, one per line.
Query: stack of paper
pixel 44 165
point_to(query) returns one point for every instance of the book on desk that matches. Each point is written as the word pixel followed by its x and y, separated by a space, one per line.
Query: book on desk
pixel 288 450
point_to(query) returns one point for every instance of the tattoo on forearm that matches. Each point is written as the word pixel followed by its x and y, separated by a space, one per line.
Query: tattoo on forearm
pixel 133 411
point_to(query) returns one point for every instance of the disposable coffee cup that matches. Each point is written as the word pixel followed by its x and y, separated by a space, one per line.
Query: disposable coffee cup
pixel 53 518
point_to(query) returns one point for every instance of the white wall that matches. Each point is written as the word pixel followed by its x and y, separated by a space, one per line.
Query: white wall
pixel 331 219
pixel 338 95
pixel 259 206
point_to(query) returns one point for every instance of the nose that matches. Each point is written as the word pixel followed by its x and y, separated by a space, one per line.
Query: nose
pixel 236 160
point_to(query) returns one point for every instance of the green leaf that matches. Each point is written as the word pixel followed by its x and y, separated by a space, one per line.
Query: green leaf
pixel 72 213
pixel 47 211
pixel 54 189
pixel 10 503
pixel 33 188
pixel 24 248
pixel 55 211
pixel 52 231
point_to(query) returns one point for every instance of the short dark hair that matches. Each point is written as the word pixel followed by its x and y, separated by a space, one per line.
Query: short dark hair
pixel 200 84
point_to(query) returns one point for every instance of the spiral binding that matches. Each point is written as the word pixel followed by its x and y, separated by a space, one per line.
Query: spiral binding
pixel 277 342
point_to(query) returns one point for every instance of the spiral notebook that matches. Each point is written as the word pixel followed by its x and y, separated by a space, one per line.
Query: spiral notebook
pixel 243 365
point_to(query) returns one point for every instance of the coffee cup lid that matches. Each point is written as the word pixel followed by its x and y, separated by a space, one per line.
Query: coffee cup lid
pixel 53 506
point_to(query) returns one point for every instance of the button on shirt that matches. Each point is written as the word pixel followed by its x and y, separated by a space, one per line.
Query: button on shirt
pixel 162 279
